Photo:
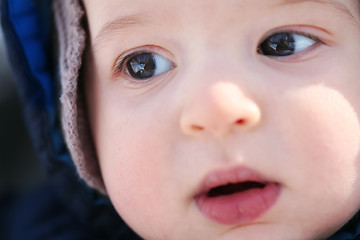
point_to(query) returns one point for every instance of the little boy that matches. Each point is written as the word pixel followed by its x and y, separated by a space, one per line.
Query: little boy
pixel 216 119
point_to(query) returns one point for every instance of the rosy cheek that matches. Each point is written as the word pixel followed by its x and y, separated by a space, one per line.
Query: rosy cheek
pixel 324 129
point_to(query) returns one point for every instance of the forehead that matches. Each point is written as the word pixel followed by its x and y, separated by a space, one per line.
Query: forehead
pixel 105 17
pixel 124 6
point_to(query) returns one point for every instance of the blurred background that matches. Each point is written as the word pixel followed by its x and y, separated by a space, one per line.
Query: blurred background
pixel 19 168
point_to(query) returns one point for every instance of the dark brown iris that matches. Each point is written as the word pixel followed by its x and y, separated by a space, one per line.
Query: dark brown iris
pixel 279 44
pixel 141 66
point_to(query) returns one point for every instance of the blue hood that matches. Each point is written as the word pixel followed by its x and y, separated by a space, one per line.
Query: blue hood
pixel 64 205
pixel 65 202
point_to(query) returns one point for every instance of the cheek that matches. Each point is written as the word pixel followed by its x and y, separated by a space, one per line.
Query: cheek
pixel 325 123
pixel 322 132
pixel 133 149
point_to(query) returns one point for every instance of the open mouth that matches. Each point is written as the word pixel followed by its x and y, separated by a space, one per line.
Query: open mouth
pixel 233 188
pixel 236 196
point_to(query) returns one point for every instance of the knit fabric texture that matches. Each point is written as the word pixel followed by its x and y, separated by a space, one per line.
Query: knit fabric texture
pixel 69 17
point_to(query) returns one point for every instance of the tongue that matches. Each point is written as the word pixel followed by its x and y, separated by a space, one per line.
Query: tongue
pixel 234 188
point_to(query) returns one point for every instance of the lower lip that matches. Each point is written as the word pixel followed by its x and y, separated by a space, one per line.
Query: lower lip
pixel 239 208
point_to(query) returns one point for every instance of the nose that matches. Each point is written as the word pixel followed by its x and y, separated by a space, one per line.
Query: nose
pixel 218 110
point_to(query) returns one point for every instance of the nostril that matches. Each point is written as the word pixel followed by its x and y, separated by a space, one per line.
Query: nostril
pixel 240 122
pixel 197 128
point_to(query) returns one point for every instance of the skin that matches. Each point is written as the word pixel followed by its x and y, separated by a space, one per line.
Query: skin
pixel 158 139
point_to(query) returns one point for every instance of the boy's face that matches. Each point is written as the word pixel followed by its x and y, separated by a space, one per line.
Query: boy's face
pixel 227 119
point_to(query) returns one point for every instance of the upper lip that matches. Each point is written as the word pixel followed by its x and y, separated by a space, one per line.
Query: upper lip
pixel 235 175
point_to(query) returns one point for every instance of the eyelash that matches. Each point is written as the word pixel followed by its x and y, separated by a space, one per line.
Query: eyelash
pixel 121 61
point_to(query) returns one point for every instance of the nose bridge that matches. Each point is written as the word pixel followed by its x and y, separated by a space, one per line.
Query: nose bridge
pixel 218 108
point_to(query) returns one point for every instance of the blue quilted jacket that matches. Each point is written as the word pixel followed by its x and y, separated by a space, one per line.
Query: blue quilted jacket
pixel 64 208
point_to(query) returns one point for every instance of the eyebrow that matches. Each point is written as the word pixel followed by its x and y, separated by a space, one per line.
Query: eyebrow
pixel 338 5
pixel 117 24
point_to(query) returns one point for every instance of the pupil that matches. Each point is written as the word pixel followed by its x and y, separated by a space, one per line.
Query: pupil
pixel 280 44
pixel 141 66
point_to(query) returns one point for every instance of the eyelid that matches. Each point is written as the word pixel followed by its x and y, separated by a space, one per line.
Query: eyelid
pixel 319 35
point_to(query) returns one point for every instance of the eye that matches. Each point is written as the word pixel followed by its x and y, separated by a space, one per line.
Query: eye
pixel 142 66
pixel 285 44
